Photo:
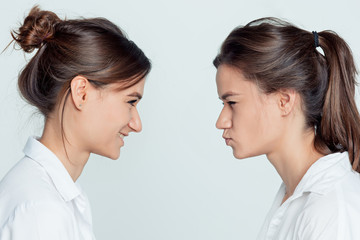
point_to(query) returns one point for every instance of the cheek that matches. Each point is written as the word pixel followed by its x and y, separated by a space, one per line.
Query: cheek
pixel 269 128
pixel 254 128
pixel 98 122
pixel 246 122
pixel 116 117
pixel 246 132
pixel 104 119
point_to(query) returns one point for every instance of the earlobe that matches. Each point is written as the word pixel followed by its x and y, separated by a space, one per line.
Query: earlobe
pixel 79 88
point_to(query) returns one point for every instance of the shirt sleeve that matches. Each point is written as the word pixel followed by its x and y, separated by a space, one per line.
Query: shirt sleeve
pixel 39 221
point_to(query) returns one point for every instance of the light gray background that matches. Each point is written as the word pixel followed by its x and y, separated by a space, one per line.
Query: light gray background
pixel 176 179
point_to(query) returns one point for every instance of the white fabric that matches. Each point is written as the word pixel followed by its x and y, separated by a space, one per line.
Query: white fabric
pixel 325 204
pixel 40 201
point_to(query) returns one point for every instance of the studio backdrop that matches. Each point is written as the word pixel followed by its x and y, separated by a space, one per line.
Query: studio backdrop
pixel 176 180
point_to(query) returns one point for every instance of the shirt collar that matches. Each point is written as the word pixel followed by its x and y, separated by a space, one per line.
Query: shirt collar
pixel 324 174
pixel 54 168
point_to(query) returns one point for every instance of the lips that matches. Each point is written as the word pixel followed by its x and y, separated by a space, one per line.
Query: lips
pixel 227 141
pixel 122 135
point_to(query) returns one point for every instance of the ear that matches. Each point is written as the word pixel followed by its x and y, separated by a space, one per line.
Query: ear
pixel 79 88
pixel 286 101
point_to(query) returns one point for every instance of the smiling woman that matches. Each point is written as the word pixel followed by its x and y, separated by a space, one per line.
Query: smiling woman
pixel 86 78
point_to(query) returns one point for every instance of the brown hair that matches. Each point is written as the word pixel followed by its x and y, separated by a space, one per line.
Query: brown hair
pixel 278 55
pixel 94 48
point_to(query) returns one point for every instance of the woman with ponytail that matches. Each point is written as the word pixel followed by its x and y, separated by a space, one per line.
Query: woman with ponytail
pixel 86 78
pixel 286 98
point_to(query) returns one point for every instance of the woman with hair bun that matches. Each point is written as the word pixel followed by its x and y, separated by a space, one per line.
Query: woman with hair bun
pixel 86 78
pixel 285 99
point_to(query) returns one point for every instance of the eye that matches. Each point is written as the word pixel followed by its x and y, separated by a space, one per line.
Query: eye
pixel 229 102
pixel 132 102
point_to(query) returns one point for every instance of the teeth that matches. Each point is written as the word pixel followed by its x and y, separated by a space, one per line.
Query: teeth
pixel 121 135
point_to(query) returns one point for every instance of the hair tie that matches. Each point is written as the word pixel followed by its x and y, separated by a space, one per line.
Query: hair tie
pixel 316 38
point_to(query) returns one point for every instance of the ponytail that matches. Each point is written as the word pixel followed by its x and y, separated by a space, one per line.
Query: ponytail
pixel 340 129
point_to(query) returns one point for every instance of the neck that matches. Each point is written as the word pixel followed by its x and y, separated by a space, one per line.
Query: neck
pixel 72 158
pixel 295 155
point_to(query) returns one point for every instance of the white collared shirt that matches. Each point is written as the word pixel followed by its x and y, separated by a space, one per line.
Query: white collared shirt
pixel 39 200
pixel 325 204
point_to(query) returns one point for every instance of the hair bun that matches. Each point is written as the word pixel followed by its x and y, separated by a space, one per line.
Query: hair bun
pixel 38 27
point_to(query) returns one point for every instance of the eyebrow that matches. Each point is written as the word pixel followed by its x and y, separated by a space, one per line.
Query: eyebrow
pixel 228 94
pixel 135 94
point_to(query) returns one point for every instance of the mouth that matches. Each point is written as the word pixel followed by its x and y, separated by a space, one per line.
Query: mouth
pixel 227 140
pixel 121 135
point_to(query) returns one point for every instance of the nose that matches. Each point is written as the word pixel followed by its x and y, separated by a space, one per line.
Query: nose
pixel 224 120
pixel 135 121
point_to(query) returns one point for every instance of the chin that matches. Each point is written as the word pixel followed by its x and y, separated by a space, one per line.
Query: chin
pixel 112 155
pixel 242 155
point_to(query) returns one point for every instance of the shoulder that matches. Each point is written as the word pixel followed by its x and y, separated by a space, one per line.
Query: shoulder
pixel 26 183
pixel 39 220
pixel 24 171
pixel 332 215
pixel 26 175
pixel 319 211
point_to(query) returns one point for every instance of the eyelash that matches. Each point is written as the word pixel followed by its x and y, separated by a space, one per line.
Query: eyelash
pixel 132 102
pixel 230 103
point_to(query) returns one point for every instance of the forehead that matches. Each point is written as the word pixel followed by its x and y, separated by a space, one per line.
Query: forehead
pixel 231 79
pixel 138 87
pixel 116 87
